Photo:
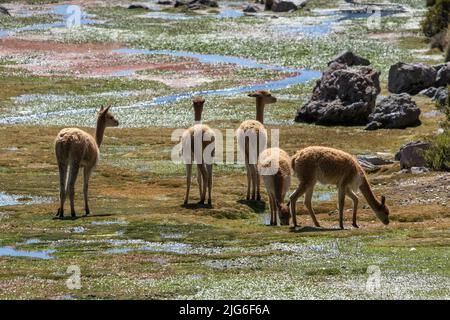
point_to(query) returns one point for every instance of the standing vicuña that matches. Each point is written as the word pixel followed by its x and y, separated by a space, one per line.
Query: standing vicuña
pixel 275 168
pixel 332 166
pixel 76 148
pixel 252 137
pixel 198 141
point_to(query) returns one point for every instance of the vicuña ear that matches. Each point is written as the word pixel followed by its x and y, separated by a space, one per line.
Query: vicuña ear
pixel 254 95
pixel 101 109
pixel 107 108
pixel 383 200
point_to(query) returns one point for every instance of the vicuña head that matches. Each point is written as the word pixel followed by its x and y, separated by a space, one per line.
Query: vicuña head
pixel 382 212
pixel 263 95
pixel 107 118
pixel 284 213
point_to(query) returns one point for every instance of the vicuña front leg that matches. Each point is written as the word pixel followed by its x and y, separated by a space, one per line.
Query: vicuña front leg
pixel 354 198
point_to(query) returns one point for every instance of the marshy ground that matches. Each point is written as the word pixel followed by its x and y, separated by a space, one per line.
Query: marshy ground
pixel 139 242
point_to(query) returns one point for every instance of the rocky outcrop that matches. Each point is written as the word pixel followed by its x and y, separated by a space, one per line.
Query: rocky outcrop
pixel 350 59
pixel 283 6
pixel 343 96
pixel 412 154
pixel 196 4
pixel 410 78
pixel 396 111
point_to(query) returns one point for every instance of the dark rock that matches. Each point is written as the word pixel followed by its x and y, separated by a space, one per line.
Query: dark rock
pixel 442 75
pixel 396 111
pixel 164 2
pixel 4 11
pixel 410 78
pixel 411 154
pixel 179 3
pixel 209 3
pixel 251 8
pixel 441 95
pixel 343 96
pixel 430 92
pixel 283 6
pixel 139 6
pixel 349 58
pixel 374 159
pixel 373 125
pixel 418 170
pixel 268 4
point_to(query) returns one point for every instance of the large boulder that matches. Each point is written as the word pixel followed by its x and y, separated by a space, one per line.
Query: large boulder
pixel 283 6
pixel 396 111
pixel 412 154
pixel 349 58
pixel 410 78
pixel 343 96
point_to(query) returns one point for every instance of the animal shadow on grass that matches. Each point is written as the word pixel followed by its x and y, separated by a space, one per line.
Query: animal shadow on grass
pixel 312 229
pixel 256 206
pixel 84 216
pixel 193 206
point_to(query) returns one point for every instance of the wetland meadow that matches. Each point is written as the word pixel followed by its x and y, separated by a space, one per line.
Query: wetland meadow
pixel 140 242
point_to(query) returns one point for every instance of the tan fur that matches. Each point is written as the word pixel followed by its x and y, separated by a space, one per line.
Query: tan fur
pixel 204 169
pixel 75 148
pixel 256 129
pixel 277 182
pixel 332 166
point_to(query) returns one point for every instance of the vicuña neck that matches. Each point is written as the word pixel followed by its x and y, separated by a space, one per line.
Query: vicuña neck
pixel 100 130
pixel 366 190
pixel 260 110
pixel 197 115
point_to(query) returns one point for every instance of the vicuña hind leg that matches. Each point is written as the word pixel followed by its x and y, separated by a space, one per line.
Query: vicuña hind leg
pixel 201 168
pixel 354 198
pixel 73 173
pixel 86 175
pixel 62 188
pixel 209 169
pixel 253 174
pixel 200 183
pixel 249 180
pixel 301 189
pixel 188 182
pixel 308 205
